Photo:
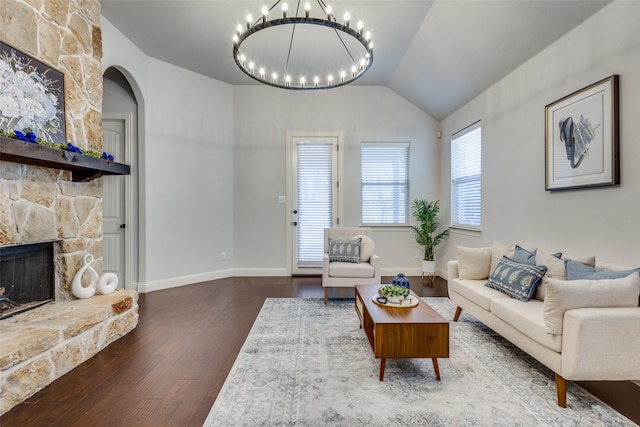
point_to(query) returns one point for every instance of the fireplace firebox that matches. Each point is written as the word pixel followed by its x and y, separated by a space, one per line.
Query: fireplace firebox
pixel 27 277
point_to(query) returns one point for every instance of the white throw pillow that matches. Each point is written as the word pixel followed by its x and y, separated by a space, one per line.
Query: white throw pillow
pixel 498 250
pixel 555 269
pixel 367 247
pixel 563 295
pixel 473 263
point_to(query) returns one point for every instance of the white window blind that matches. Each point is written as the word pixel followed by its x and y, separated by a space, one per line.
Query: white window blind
pixel 384 182
pixel 466 174
pixel 315 163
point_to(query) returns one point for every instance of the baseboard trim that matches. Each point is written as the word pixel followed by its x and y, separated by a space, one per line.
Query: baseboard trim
pixel 156 285
pixel 410 271
pixel 258 272
pixel 174 282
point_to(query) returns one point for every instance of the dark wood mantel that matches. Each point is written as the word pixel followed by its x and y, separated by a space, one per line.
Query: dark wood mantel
pixel 83 168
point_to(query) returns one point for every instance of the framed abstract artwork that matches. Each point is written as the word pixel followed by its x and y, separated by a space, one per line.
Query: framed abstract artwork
pixel 582 138
pixel 31 96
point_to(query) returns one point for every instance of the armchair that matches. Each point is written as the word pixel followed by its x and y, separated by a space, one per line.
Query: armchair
pixel 337 273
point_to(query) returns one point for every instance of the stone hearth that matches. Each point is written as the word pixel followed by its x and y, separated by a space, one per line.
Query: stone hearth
pixel 41 345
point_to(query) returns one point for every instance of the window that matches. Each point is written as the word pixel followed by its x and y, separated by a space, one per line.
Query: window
pixel 384 183
pixel 466 173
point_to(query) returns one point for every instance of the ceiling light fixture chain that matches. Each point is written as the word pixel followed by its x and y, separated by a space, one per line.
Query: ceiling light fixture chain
pixel 358 39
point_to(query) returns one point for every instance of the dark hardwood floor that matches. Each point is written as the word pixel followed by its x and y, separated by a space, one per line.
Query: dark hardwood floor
pixel 169 370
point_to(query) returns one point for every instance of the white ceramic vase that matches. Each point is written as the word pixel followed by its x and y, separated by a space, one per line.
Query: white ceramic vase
pixel 107 283
pixel 77 289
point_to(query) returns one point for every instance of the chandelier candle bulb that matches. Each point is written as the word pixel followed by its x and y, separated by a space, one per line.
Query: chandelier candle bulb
pixel 261 71
pixel 328 12
pixel 251 67
pixel 316 80
pixel 285 8
pixel 249 19
pixel 307 9
pixel 360 27
pixel 239 29
pixel 347 17
pixel 265 14
pixel 274 77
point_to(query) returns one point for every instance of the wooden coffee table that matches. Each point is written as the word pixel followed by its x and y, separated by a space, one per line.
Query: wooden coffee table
pixel 399 332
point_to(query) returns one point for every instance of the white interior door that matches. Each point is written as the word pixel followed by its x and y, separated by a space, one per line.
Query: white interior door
pixel 314 198
pixel 113 202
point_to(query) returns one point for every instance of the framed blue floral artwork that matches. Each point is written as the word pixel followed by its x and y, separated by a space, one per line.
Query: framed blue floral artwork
pixel 31 96
pixel 582 138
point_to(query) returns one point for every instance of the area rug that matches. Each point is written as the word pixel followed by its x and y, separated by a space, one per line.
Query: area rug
pixel 305 363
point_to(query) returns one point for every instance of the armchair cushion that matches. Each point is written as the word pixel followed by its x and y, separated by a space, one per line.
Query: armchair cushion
pixel 344 250
pixel 348 269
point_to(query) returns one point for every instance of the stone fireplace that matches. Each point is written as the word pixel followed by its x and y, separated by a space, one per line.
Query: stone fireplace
pixel 40 204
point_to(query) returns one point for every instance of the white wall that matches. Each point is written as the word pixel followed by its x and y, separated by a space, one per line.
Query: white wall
pixel 186 167
pixel 515 206
pixel 263 116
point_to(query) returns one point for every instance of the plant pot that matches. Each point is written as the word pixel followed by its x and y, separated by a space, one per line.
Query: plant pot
pixel 428 267
pixel 395 300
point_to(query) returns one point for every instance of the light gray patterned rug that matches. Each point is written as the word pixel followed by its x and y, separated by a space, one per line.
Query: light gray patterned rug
pixel 309 364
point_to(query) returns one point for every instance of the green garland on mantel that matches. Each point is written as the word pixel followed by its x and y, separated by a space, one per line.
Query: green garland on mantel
pixel 27 135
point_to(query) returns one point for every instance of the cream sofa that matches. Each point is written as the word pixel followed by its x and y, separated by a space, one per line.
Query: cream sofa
pixel 583 330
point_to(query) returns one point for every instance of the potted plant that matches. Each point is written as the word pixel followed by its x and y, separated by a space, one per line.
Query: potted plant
pixel 426 215
pixel 393 293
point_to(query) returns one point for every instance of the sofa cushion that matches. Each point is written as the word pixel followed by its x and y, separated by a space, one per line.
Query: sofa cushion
pixel 579 271
pixel 473 263
pixel 563 295
pixel 344 250
pixel 528 318
pixel 475 291
pixel 516 280
pixel 349 269
pixel 367 247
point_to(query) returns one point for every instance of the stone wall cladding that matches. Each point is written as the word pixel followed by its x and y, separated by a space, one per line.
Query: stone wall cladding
pixel 41 345
pixel 40 204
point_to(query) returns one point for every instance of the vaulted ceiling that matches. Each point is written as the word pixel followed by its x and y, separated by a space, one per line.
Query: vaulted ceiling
pixel 437 54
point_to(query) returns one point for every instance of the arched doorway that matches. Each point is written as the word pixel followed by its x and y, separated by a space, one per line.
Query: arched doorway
pixel 120 209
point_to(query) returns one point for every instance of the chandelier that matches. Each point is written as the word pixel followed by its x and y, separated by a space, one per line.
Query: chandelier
pixel 302 49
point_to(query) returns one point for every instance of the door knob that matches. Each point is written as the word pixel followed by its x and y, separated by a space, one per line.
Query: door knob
pixel 295 223
pixel 295 211
pixel 123 226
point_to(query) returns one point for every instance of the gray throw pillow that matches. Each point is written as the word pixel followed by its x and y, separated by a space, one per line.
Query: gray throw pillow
pixel 344 250
pixel 523 256
pixel 578 271
pixel 517 280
